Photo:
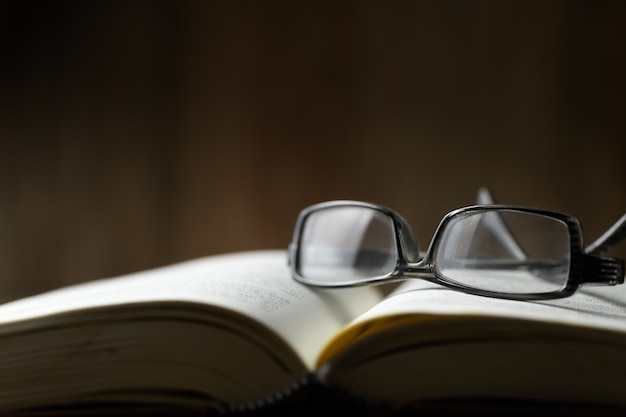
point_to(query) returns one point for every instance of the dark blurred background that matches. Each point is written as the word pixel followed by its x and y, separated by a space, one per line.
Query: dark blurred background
pixel 136 134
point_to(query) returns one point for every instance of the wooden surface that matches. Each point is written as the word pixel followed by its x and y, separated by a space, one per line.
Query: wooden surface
pixel 139 133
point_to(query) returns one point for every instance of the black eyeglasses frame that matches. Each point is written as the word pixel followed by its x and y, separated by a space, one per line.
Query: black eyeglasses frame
pixel 584 268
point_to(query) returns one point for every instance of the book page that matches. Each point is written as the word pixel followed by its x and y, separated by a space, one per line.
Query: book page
pixel 595 306
pixel 256 284
pixel 425 342
pixel 598 307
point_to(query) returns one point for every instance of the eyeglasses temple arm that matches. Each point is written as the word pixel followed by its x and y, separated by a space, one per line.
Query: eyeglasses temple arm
pixel 610 238
pixel 498 227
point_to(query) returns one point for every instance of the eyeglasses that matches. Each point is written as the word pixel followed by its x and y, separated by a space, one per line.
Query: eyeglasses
pixel 494 250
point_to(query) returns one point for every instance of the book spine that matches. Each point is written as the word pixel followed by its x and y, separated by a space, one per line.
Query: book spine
pixel 294 393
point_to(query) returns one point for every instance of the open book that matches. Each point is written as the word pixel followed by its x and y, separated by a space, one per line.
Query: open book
pixel 235 330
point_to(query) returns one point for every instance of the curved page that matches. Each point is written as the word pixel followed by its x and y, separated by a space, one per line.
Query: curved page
pixel 230 313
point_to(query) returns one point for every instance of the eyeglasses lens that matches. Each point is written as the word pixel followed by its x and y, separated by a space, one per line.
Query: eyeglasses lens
pixel 346 244
pixel 470 253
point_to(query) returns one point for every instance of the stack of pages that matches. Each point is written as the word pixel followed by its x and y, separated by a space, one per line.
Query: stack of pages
pixel 236 331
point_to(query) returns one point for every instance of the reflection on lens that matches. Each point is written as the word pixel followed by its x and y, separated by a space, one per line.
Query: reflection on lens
pixel 471 254
pixel 347 244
